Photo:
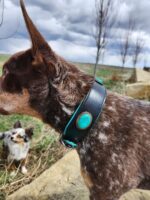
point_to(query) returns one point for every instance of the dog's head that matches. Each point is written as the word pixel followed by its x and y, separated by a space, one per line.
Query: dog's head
pixel 26 75
pixel 17 135
pixel 35 80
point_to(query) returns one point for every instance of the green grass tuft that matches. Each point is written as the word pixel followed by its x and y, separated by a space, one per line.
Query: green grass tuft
pixel 3 57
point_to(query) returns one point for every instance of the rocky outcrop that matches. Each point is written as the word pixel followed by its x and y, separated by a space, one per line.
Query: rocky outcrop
pixel 63 182
pixel 138 90
pixel 136 195
pixel 142 76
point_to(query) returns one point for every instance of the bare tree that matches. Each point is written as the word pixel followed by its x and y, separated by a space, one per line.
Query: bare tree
pixel 137 49
pixel 105 19
pixel 136 52
pixel 125 43
pixel 145 61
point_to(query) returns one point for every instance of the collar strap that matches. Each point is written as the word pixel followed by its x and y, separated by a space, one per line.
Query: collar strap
pixel 85 116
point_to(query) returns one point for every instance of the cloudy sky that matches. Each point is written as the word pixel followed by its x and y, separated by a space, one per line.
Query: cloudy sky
pixel 68 27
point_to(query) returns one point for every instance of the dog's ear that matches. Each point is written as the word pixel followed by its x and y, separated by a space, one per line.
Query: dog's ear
pixel 40 47
pixel 18 125
pixel 29 132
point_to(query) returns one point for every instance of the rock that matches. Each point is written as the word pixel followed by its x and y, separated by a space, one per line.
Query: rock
pixel 142 76
pixel 136 195
pixel 138 90
pixel 64 182
pixel 61 182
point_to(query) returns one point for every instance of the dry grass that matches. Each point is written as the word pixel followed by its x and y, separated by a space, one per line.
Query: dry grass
pixel 116 77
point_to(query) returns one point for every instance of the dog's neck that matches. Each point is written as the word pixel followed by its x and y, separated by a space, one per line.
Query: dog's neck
pixel 67 91
pixel 67 97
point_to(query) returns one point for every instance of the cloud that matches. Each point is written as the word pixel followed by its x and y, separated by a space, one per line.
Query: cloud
pixel 73 52
pixel 68 27
pixel 22 44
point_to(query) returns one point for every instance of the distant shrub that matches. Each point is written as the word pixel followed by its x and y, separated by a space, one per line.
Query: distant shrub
pixel 115 77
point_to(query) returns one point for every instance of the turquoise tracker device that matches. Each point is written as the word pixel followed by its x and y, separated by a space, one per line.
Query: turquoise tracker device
pixel 85 116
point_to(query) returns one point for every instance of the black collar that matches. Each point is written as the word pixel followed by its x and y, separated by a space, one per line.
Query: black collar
pixel 85 116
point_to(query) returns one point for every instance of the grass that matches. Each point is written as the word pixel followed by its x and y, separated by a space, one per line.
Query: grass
pixel 113 78
pixel 3 57
pixel 45 148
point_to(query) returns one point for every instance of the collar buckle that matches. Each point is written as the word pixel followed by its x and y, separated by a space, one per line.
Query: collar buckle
pixel 67 143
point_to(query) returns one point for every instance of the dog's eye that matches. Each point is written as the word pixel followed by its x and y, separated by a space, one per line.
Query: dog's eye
pixel 13 133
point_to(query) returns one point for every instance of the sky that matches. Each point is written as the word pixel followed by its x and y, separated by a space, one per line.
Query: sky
pixel 68 25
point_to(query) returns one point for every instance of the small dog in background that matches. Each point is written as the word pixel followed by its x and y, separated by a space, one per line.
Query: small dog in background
pixel 16 144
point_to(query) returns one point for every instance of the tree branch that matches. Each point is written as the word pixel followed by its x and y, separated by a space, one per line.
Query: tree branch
pixel 2 15
pixel 2 2
pixel 126 41
pixel 105 19
pixel 137 49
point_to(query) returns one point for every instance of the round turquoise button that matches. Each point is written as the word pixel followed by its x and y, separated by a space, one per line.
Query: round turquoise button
pixel 84 120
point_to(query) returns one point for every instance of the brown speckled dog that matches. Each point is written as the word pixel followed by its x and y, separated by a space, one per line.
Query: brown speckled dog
pixel 115 156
